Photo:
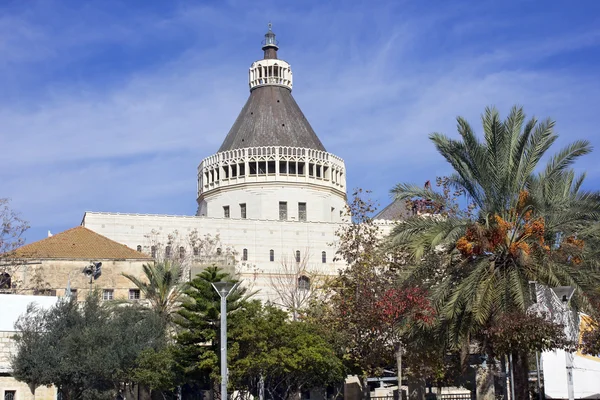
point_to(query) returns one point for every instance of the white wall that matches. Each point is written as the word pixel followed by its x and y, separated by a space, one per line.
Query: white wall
pixel 257 236
pixel 586 375
pixel 262 202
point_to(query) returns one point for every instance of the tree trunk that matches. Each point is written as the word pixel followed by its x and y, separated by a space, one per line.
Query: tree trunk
pixel 32 387
pixel 521 375
pixel 365 388
pixel 399 366
pixel 484 378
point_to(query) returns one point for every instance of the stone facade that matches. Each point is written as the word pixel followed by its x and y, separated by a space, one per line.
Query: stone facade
pixel 51 276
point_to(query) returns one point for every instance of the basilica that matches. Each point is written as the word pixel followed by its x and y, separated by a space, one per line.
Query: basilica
pixel 269 204
pixel 272 193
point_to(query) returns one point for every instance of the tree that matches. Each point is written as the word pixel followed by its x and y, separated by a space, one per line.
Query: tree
pixel 163 287
pixel 156 370
pixel 87 351
pixel 11 237
pixel 285 356
pixel 191 250
pixel 197 351
pixel 369 312
pixel 508 236
pixel 297 284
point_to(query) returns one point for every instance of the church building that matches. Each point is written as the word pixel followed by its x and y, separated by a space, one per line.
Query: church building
pixel 271 197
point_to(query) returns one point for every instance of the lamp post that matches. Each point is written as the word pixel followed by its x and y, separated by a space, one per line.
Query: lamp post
pixel 224 289
pixel 564 294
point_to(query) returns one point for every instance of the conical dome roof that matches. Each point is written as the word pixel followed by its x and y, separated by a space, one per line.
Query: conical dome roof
pixel 271 117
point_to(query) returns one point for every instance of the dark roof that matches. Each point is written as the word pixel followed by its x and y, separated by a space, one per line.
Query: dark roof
pixel 77 243
pixel 396 210
pixel 271 117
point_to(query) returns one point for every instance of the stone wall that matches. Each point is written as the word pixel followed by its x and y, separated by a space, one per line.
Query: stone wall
pixel 53 275
pixel 8 383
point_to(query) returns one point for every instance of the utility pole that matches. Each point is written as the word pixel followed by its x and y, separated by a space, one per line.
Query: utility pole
pixel 564 294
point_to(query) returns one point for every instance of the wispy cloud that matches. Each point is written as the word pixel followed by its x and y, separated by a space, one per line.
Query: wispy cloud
pixel 111 109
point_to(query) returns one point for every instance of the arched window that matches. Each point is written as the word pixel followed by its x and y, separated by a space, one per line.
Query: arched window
pixel 297 256
pixel 245 255
pixel 219 251
pixel 153 251
pixel 181 252
pixel 196 251
pixel 323 257
pixel 168 251
pixel 5 281
pixel 303 283
pixel 271 255
pixel 139 248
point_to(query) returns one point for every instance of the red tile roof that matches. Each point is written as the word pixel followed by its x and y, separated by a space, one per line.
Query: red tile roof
pixel 77 243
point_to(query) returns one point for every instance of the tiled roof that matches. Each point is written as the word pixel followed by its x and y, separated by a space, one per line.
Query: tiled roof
pixel 396 210
pixel 77 243
pixel 271 117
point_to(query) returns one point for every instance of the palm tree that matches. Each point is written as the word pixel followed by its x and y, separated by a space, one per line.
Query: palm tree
pixel 508 236
pixel 163 287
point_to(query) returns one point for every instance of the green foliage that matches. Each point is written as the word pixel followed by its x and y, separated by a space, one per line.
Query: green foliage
pixel 368 312
pixel 197 351
pixel 495 251
pixel 290 356
pixel 526 333
pixel 163 286
pixel 86 350
pixel 478 262
pixel 156 369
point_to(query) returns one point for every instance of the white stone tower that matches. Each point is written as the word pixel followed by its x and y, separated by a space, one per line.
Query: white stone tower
pixel 272 165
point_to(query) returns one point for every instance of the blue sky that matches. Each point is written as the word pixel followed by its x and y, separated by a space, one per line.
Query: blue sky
pixel 111 105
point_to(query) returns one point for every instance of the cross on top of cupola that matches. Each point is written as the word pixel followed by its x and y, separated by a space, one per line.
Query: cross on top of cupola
pixel 270 44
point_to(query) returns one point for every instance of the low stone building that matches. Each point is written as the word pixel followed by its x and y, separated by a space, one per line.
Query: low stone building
pixel 49 266
pixel 12 307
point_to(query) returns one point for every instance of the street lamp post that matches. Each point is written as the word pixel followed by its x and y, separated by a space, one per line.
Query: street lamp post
pixel 224 289
pixel 564 294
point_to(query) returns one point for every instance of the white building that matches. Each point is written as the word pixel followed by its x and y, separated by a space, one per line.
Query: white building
pixel 272 192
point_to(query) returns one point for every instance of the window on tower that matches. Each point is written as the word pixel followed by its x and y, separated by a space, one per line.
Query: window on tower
pixel 271 255
pixel 301 211
pixel 283 167
pixel 323 257
pixel 297 256
pixel 243 210
pixel 283 211
pixel 245 255
pixel 226 211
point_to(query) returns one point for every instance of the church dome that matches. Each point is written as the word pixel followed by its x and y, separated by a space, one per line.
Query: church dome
pixel 272 165
pixel 271 116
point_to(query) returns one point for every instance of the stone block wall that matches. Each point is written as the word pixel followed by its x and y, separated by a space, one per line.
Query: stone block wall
pixel 8 383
